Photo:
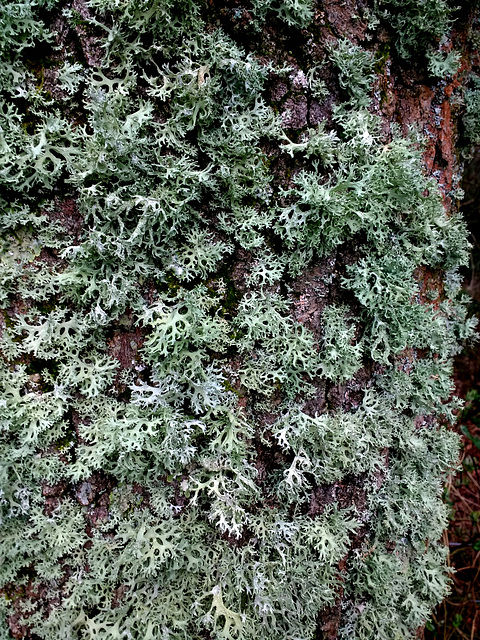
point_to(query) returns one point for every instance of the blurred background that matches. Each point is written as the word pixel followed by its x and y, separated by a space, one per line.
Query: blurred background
pixel 459 615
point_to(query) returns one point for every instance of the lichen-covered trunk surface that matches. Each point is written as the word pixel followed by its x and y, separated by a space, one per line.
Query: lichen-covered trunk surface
pixel 230 288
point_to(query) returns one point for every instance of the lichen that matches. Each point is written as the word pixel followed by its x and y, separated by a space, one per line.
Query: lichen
pixel 188 238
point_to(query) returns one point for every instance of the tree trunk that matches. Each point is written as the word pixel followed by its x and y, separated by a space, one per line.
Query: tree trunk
pixel 230 280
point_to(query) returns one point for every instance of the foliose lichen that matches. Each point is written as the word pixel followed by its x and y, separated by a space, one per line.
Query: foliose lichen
pixel 206 457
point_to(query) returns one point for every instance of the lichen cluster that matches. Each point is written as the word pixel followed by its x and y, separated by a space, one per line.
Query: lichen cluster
pixel 211 455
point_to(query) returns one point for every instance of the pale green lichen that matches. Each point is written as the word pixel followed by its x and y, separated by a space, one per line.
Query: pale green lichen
pixel 171 183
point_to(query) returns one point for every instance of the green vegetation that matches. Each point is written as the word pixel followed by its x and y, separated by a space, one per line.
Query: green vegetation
pixel 200 537
pixel 471 120
pixel 415 23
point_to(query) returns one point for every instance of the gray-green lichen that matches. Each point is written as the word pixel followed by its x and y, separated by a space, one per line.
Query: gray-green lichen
pixel 209 455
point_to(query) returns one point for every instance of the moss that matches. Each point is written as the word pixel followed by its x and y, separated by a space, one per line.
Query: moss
pixel 76 19
pixel 382 58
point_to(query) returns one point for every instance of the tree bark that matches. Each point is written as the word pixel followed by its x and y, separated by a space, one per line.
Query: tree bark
pixel 227 329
